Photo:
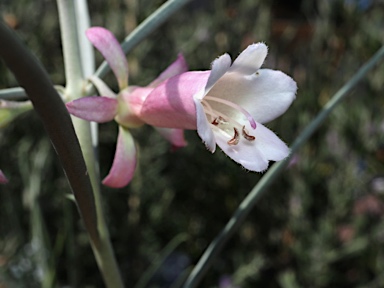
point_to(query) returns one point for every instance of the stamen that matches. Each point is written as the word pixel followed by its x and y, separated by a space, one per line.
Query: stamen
pixel 209 108
pixel 219 120
pixel 246 135
pixel 235 139
pixel 235 106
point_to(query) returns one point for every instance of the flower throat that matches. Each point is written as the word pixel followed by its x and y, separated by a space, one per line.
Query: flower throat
pixel 222 121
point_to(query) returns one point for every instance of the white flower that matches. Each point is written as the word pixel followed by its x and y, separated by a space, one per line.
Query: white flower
pixel 227 106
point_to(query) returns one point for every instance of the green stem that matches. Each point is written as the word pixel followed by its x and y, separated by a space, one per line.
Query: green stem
pixel 75 79
pixel 171 246
pixel 16 93
pixel 249 202
pixel 71 50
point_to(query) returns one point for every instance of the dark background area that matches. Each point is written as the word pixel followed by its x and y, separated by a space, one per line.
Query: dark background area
pixel 319 225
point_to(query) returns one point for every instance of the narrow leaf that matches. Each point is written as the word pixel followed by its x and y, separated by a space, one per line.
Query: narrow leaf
pixel 57 122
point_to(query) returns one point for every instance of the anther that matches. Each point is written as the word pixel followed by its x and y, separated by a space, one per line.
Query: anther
pixel 219 120
pixel 215 121
pixel 246 135
pixel 235 139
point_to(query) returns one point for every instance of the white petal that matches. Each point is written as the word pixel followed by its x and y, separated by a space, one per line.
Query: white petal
pixel 203 127
pixel 254 155
pixel 271 146
pixel 250 60
pixel 219 67
pixel 265 95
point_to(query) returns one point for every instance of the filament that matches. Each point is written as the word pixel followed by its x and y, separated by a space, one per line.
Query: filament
pixel 235 106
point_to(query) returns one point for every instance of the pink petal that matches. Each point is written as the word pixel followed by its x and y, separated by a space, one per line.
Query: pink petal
pixel 101 87
pixel 3 179
pixel 107 44
pixel 250 60
pixel 171 104
pixel 254 155
pixel 176 68
pixel 174 136
pixel 124 164
pixel 94 108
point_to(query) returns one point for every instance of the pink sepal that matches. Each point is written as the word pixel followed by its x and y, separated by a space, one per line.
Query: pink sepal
pixel 94 108
pixel 107 44
pixel 124 163
pixel 173 136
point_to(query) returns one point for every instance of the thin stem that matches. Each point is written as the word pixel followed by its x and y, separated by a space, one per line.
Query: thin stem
pixel 249 202
pixel 16 93
pixel 75 79
pixel 87 60
pixel 86 50
pixel 171 246
pixel 71 50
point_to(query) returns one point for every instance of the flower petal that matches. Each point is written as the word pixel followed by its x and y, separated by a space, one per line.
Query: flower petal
pixel 101 87
pixel 107 44
pixel 250 60
pixel 254 155
pixel 174 136
pixel 219 67
pixel 3 179
pixel 171 104
pixel 265 95
pixel 94 108
pixel 124 163
pixel 176 68
pixel 204 128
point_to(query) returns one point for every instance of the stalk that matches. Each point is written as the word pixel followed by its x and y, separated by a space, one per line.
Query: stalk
pixel 75 89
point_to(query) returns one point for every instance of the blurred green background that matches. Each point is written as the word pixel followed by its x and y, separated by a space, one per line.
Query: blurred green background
pixel 320 225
